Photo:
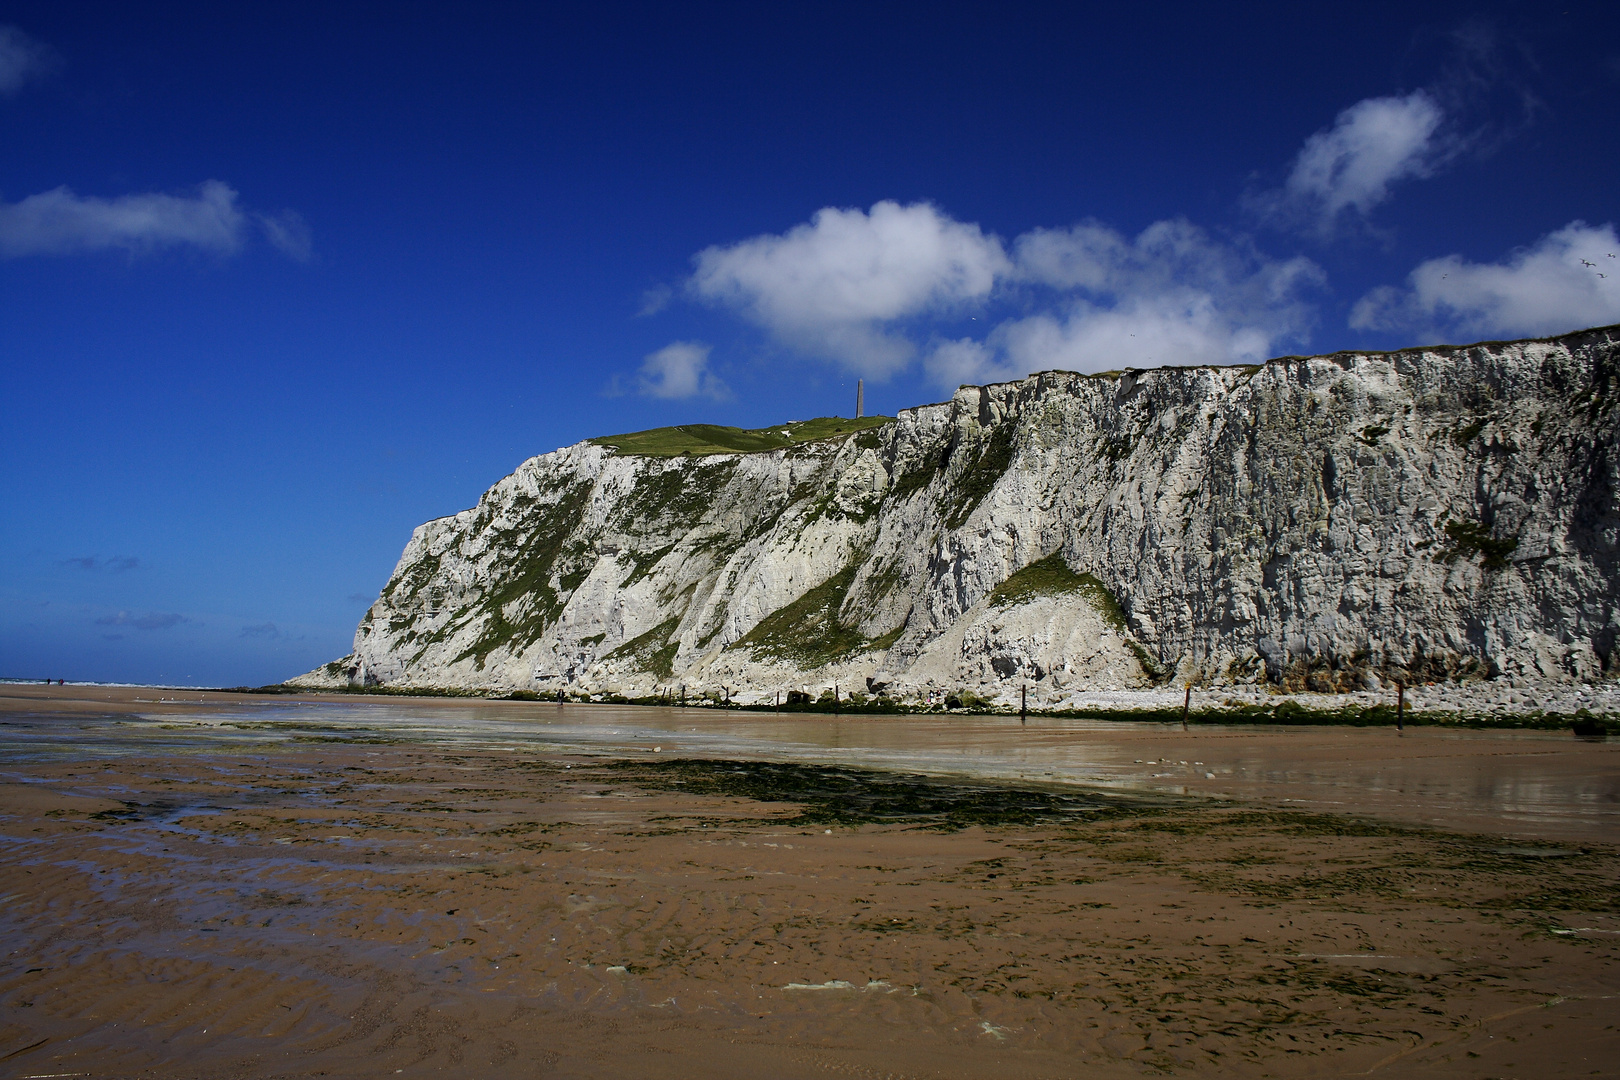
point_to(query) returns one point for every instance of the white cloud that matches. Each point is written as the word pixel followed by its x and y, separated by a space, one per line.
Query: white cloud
pixel 1546 288
pixel 679 370
pixel 1351 166
pixel 955 363
pixel 854 287
pixel 1185 327
pixel 654 300
pixel 1168 256
pixel 22 58
pixel 1171 295
pixel 836 285
pixel 59 222
pixel 289 234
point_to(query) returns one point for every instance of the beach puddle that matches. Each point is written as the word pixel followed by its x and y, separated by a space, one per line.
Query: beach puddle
pixel 1529 783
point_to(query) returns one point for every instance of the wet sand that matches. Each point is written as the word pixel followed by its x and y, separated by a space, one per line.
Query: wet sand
pixel 1532 784
pixel 331 904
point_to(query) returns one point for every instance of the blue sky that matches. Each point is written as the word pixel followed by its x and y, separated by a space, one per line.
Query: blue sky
pixel 280 282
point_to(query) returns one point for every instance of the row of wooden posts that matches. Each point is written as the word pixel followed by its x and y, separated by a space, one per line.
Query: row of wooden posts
pixel 1023 703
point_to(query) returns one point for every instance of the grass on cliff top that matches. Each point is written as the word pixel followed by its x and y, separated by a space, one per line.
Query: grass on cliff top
pixel 700 439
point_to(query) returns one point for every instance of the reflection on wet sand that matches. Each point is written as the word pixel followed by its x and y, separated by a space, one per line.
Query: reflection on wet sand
pixel 1526 783
pixel 286 888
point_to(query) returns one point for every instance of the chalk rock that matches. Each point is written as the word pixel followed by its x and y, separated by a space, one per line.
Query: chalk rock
pixel 1326 523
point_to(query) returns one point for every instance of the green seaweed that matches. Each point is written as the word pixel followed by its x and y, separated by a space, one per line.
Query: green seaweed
pixel 839 795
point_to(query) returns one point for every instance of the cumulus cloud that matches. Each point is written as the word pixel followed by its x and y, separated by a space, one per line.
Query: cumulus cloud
pixel 59 222
pixel 856 287
pixel 1171 256
pixel 1148 331
pixel 1349 168
pixel 1173 294
pixel 679 370
pixel 154 621
pixel 22 58
pixel 966 360
pixel 837 285
pixel 1566 280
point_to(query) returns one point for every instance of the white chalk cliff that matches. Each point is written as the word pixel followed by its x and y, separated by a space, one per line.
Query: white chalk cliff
pixel 1320 523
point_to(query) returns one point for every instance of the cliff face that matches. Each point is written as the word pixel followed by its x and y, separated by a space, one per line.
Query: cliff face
pixel 1322 523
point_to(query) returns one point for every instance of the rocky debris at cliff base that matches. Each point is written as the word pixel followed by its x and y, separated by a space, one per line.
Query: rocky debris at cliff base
pixel 1467 704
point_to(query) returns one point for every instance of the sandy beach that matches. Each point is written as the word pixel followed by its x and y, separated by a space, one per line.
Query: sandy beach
pixel 369 906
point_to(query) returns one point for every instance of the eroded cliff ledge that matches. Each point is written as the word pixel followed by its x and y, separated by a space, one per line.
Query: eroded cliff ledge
pixel 1324 523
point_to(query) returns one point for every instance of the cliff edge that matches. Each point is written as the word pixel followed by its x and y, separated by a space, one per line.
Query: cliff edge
pixel 1320 523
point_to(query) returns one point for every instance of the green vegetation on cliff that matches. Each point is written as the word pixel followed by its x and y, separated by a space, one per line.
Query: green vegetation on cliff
pixel 702 439
pixel 1051 576
pixel 808 632
pixel 991 456
pixel 1469 538
pixel 519 603
pixel 652 651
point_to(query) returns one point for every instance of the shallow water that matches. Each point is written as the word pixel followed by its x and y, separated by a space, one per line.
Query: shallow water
pixel 1527 783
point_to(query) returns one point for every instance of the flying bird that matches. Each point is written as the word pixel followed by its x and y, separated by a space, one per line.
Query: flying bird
pixel 1585 263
